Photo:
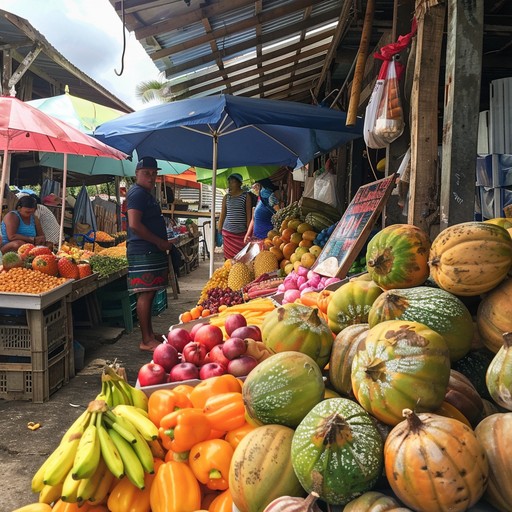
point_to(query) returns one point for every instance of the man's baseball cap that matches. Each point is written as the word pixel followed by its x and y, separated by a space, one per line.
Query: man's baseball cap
pixel 236 176
pixel 147 162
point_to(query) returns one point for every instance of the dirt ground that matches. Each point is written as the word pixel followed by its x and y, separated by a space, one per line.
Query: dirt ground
pixel 22 450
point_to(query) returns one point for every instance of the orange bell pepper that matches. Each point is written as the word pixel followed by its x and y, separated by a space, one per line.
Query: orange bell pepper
pixel 222 503
pixel 164 401
pixel 185 428
pixel 184 389
pixel 209 461
pixel 225 411
pixel 176 456
pixel 126 497
pixel 233 437
pixel 213 386
pixel 175 489
pixel 323 299
pixel 310 299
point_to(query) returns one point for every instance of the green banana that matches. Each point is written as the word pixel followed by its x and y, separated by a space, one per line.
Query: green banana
pixel 109 452
pixel 88 485
pixel 138 418
pixel 108 394
pixel 50 493
pixel 139 398
pixel 140 447
pixel 69 489
pixel 111 422
pixel 126 395
pixel 88 452
pixel 62 459
pixel 132 464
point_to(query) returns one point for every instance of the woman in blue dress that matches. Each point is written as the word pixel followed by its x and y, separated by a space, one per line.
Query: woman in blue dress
pixel 266 206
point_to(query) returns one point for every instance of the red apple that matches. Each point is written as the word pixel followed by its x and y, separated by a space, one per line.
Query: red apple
pixel 211 370
pixel 194 329
pixel 234 321
pixel 209 336
pixel 216 355
pixel 151 374
pixel 250 331
pixel 178 338
pixel 234 347
pixel 194 353
pixel 166 355
pixel 183 371
pixel 241 365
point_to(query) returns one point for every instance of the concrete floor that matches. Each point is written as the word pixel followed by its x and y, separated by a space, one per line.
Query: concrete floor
pixel 22 450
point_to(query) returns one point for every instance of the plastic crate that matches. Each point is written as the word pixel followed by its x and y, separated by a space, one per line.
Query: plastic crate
pixel 159 302
pixel 20 381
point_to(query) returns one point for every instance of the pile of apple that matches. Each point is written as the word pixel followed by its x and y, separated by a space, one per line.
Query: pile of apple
pixel 202 352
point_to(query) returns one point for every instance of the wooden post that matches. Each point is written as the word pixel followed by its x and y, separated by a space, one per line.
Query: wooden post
pixel 355 91
pixel 462 98
pixel 423 191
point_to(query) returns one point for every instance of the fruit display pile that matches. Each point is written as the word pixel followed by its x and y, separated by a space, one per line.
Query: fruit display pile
pixel 391 392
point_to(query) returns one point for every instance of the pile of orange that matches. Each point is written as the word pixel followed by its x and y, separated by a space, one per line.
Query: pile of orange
pixel 197 312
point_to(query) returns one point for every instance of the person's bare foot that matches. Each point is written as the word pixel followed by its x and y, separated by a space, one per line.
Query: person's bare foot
pixel 149 346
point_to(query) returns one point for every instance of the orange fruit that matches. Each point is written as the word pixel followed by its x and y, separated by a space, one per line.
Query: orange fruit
pixel 289 249
pixel 272 233
pixel 205 312
pixel 316 250
pixel 267 243
pixel 283 263
pixel 284 224
pixel 278 254
pixel 296 238
pixel 288 268
pixel 186 317
pixel 222 307
pixel 302 228
pixel 309 235
pixel 307 260
pixel 287 233
pixel 305 243
pixel 195 312
pixel 277 241
pixel 294 223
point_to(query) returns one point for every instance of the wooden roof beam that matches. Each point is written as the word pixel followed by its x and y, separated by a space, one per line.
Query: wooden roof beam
pixel 24 65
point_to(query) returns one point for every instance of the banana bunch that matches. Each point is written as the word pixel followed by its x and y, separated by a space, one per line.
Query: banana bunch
pixel 103 444
pixel 116 391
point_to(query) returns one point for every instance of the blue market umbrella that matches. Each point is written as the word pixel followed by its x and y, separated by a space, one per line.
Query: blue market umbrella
pixel 228 131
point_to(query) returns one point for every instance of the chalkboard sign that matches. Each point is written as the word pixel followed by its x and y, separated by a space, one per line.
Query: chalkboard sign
pixel 350 235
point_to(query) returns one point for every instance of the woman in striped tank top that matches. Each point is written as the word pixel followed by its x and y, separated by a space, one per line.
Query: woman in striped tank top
pixel 235 216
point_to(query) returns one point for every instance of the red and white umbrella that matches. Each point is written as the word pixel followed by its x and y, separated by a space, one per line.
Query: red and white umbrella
pixel 25 128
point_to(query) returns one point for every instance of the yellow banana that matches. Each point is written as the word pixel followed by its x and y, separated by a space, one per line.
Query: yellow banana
pixel 109 452
pixel 139 398
pixel 88 453
pixel 88 485
pixel 132 465
pixel 50 493
pixel 108 394
pixel 103 488
pixel 125 394
pixel 140 447
pixel 138 418
pixel 69 489
pixel 111 420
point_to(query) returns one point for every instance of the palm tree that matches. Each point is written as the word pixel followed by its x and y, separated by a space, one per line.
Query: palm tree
pixel 154 90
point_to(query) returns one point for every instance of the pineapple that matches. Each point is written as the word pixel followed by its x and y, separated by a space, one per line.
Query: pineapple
pixel 265 262
pixel 239 276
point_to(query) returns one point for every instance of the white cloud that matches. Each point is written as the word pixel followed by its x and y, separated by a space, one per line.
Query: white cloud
pixel 89 34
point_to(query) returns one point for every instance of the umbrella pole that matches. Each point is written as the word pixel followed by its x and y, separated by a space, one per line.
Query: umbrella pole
pixel 214 190
pixel 4 177
pixel 63 206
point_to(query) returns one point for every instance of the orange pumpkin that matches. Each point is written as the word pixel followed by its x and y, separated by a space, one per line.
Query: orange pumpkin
pixel 470 258
pixel 423 447
pixel 373 501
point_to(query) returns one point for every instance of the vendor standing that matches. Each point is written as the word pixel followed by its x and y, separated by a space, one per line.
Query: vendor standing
pixel 147 246
pixel 21 226
pixel 235 216
pixel 267 205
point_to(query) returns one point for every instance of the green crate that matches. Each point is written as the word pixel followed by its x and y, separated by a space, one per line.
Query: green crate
pixel 159 302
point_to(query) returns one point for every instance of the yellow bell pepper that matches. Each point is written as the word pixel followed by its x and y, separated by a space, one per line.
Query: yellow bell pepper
pixel 209 461
pixel 225 411
pixel 126 497
pixel 175 489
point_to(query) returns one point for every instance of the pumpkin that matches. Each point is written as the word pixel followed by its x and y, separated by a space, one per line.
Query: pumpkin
pixel 470 258
pixel 435 464
pixel 350 304
pixel 373 501
pixel 494 316
pixel 299 328
pixel 450 411
pixel 495 435
pixel 433 307
pixel 397 256
pixel 282 389
pixel 404 365
pixel 474 367
pixel 346 344
pixel 261 469
pixel 337 451
pixel 294 504
pixel 499 374
pixel 462 395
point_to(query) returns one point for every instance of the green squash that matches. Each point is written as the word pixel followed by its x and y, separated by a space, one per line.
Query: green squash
pixel 337 451
pixel 499 374
pixel 282 389
pixel 299 328
pixel 405 365
pixel 351 303
pixel 435 308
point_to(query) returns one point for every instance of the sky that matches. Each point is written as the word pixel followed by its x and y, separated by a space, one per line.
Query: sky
pixel 89 34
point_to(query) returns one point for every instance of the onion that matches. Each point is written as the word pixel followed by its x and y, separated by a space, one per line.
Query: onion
pixel 332 280
pixel 291 295
pixel 307 289
pixel 300 281
pixel 314 281
pixel 312 274
pixel 290 285
pixel 302 271
pixel 281 288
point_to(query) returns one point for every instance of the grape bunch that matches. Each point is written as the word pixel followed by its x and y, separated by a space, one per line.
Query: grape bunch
pixel 216 297
pixel 218 280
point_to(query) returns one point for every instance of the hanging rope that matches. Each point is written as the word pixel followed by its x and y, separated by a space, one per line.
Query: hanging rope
pixel 124 41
